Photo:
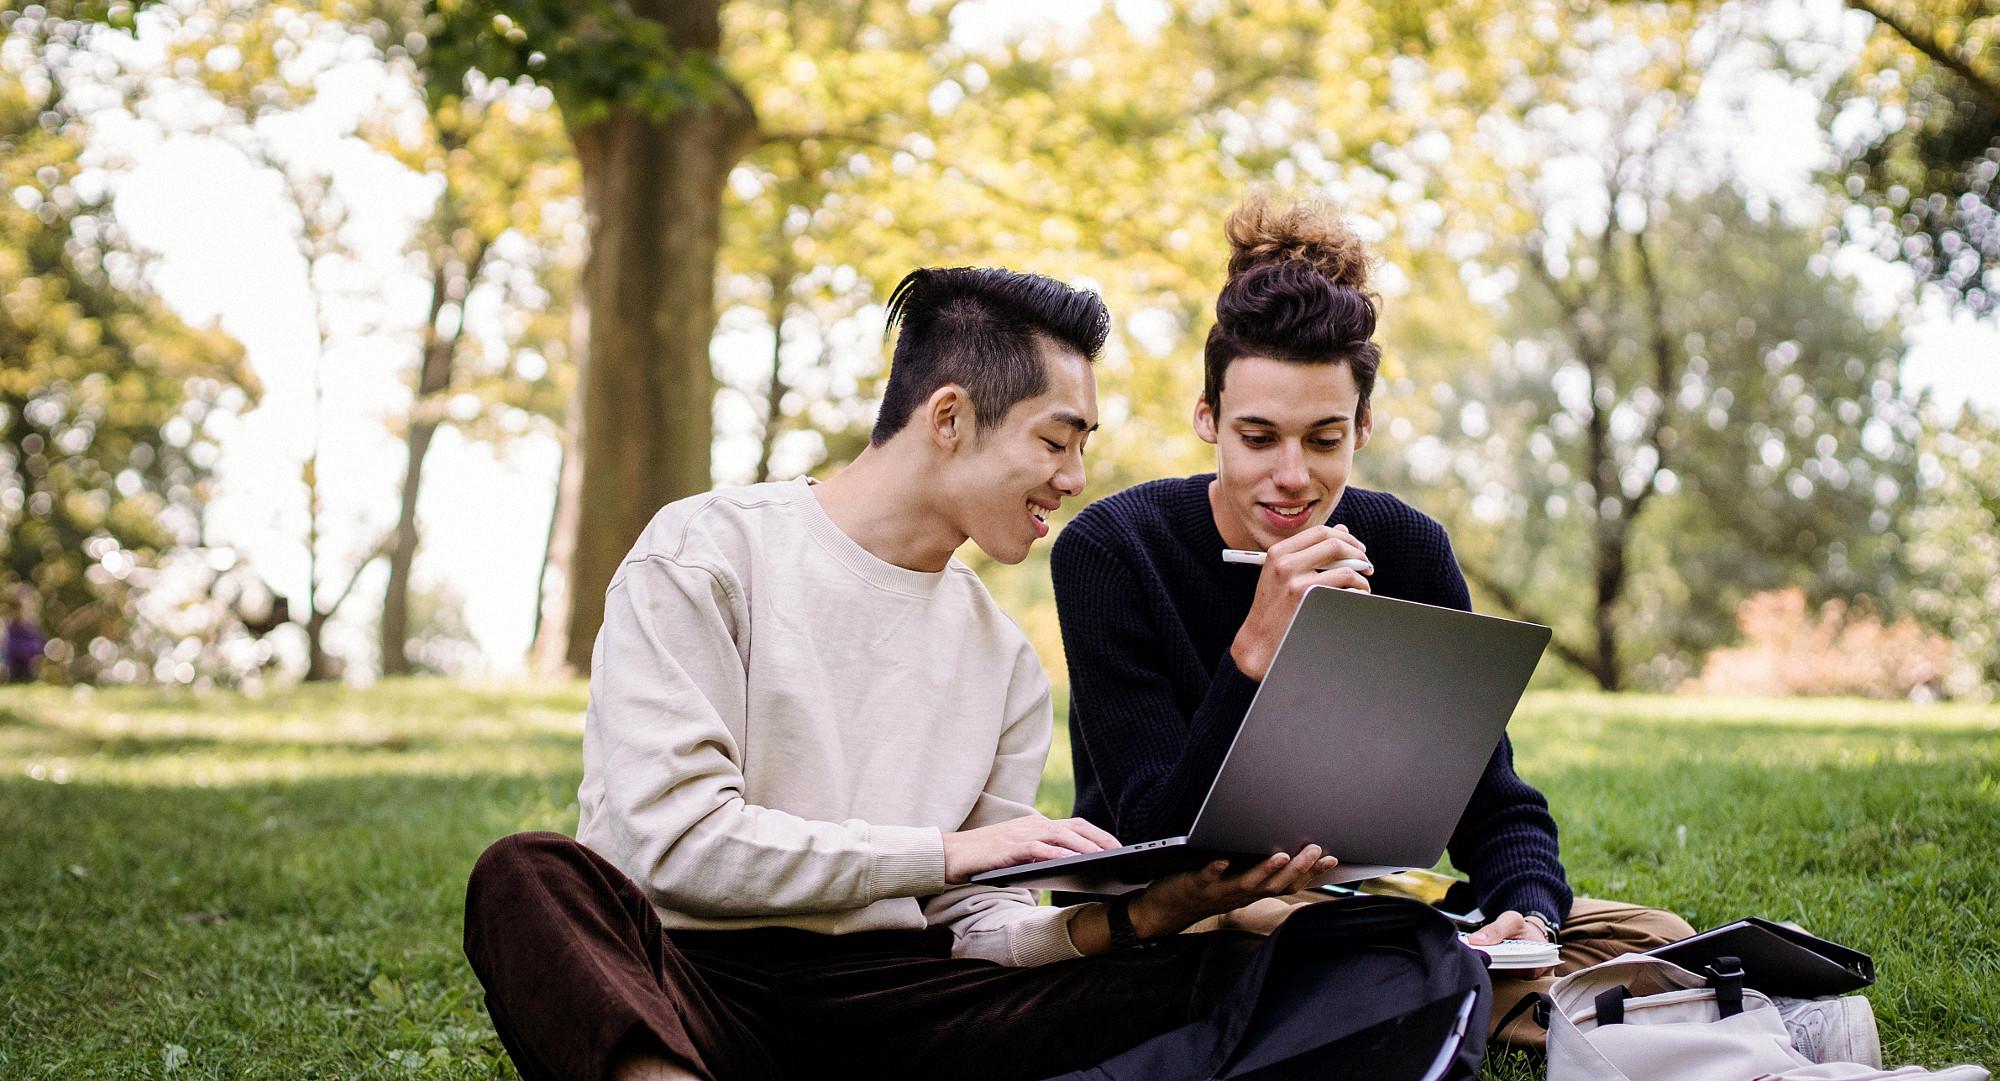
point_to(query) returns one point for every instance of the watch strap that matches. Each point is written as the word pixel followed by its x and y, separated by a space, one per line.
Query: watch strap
pixel 1123 935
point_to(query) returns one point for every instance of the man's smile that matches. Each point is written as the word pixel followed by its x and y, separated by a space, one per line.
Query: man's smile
pixel 1288 515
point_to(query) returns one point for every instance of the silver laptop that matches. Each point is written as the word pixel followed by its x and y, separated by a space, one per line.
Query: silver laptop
pixel 1367 737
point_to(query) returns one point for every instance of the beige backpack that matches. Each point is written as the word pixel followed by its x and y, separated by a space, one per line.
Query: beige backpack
pixel 1638 1018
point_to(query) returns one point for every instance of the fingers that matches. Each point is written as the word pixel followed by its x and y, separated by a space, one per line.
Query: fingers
pixel 1297 873
pixel 1344 578
pixel 1334 545
pixel 1091 831
pixel 1064 835
pixel 1335 559
pixel 1280 874
pixel 1506 925
pixel 1037 851
pixel 1329 542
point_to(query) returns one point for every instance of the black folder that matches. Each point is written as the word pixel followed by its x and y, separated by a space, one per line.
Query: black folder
pixel 1777 960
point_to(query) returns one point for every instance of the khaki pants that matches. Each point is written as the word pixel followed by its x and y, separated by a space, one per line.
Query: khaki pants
pixel 1595 931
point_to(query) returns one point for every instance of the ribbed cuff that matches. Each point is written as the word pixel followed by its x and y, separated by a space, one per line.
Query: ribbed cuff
pixel 1043 936
pixel 909 861
pixel 1533 899
pixel 1232 683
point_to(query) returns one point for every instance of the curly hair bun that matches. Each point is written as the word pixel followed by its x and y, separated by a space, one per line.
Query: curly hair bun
pixel 1268 229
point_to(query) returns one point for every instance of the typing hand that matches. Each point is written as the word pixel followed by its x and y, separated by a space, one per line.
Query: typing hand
pixel 1028 839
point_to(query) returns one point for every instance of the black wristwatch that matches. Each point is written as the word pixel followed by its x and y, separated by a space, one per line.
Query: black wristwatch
pixel 1123 935
pixel 1550 926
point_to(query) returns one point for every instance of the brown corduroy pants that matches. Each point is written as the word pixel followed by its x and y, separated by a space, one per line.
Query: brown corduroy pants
pixel 578 970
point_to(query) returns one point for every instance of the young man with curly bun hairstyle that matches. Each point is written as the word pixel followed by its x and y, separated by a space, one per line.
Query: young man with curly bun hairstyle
pixel 1166 643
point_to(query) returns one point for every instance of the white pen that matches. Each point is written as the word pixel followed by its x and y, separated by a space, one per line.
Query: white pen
pixel 1256 559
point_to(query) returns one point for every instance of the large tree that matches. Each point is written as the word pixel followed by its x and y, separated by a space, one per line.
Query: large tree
pixel 1682 412
pixel 656 124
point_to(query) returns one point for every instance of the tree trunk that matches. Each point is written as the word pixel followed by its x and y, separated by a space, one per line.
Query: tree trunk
pixel 774 392
pixel 432 379
pixel 1610 587
pixel 1609 569
pixel 551 641
pixel 652 192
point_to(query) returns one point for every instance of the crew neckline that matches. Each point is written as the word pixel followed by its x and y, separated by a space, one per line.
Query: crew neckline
pixel 1194 518
pixel 867 565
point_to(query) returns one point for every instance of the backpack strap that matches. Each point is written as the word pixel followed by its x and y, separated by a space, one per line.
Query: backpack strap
pixel 1535 1004
pixel 1611 1005
pixel 1726 977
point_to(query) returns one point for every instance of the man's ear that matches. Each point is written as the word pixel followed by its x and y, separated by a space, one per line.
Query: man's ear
pixel 948 415
pixel 1204 420
pixel 1366 428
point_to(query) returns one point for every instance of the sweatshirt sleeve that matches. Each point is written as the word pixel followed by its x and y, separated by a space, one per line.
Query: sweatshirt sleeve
pixel 667 676
pixel 1006 925
pixel 1122 702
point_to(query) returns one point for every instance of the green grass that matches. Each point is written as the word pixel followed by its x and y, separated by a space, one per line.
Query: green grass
pixel 217 887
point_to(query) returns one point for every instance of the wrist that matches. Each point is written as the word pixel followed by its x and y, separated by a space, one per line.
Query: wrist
pixel 1249 660
pixel 1147 922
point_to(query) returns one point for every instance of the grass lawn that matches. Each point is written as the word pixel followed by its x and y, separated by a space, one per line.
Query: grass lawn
pixel 217 887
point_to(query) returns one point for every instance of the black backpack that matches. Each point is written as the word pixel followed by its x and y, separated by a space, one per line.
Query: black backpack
pixel 1360 987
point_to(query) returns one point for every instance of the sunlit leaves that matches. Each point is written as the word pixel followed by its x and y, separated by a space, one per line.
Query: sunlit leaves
pixel 109 405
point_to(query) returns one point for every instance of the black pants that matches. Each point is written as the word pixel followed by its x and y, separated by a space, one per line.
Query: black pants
pixel 577 969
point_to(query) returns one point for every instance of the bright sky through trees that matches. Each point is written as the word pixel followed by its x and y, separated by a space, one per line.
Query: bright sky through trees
pixel 224 253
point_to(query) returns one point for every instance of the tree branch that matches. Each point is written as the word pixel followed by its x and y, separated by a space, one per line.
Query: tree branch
pixel 1663 370
pixel 1986 85
pixel 1521 609
pixel 381 549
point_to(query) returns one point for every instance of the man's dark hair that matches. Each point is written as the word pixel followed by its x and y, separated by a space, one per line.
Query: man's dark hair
pixel 1297 292
pixel 1288 311
pixel 977 328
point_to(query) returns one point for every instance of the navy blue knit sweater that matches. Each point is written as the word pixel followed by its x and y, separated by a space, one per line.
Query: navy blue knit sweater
pixel 1148 612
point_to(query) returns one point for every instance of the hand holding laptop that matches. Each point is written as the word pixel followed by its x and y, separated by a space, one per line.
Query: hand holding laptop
pixel 1291 567
pixel 1171 904
pixel 1184 899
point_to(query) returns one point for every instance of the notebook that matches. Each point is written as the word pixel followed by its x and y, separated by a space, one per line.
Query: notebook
pixel 1777 960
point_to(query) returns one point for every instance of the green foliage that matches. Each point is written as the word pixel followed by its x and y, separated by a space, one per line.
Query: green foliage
pixel 1926 170
pixel 106 398
pixel 1954 547
pixel 273 886
pixel 1776 452
pixel 595 56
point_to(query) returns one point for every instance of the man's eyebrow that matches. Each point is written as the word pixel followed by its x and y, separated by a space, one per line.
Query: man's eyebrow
pixel 1337 418
pixel 1075 421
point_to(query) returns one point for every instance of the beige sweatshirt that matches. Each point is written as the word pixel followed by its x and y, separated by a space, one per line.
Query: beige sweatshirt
pixel 782 727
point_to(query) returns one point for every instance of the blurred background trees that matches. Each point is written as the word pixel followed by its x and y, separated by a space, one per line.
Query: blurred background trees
pixel 1637 390
pixel 1918 122
pixel 109 403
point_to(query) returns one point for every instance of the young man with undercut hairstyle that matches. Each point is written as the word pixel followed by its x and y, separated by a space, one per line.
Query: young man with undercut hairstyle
pixel 809 727
pixel 1167 644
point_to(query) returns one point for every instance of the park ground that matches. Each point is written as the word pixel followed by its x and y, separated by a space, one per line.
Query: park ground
pixel 209 886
